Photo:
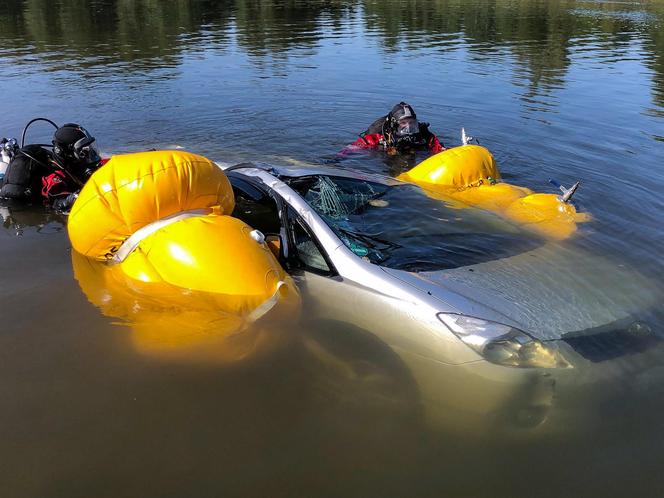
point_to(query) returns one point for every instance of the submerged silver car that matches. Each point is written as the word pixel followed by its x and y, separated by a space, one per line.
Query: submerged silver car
pixel 499 329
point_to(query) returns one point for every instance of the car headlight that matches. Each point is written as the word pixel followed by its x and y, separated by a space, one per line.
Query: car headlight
pixel 502 344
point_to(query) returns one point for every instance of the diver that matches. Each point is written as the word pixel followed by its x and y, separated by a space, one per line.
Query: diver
pixel 54 176
pixel 399 132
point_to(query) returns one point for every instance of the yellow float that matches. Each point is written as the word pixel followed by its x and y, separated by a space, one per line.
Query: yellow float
pixel 155 246
pixel 468 176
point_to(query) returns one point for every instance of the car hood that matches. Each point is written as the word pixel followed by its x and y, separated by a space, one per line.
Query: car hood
pixel 548 292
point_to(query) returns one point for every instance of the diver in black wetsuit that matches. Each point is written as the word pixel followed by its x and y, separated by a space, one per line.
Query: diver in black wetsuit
pixel 55 176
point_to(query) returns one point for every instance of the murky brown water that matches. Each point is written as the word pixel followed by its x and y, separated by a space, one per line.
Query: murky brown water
pixel 562 89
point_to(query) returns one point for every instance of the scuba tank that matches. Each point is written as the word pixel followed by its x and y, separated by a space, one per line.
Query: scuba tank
pixel 7 150
pixel 23 177
pixel 23 167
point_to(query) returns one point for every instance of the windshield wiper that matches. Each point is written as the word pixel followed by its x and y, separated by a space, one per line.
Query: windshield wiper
pixel 370 240
pixel 374 248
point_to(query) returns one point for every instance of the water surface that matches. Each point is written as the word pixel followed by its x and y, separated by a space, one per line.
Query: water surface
pixel 564 89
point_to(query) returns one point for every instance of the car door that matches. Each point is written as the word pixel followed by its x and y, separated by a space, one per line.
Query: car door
pixel 304 257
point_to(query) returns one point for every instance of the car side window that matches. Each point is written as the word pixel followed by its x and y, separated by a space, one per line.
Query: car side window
pixel 308 254
pixel 255 208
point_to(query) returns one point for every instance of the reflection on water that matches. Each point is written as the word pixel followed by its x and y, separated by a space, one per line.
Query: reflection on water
pixel 16 219
pixel 543 37
pixel 556 89
pixel 180 324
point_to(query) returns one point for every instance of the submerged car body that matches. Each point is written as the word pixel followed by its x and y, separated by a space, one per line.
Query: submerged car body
pixel 500 330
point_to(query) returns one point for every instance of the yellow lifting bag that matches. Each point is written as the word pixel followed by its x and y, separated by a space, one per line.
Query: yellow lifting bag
pixel 457 167
pixel 546 214
pixel 467 176
pixel 200 289
pixel 134 190
pixel 212 254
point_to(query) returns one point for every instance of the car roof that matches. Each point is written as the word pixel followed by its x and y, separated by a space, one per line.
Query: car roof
pixel 285 172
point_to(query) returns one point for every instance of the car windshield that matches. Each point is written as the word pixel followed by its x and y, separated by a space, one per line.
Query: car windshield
pixel 398 226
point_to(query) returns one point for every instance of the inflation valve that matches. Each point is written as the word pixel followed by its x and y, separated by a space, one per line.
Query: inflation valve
pixel 567 192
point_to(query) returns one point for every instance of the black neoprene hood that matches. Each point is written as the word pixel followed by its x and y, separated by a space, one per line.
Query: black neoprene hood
pixel 68 134
pixel 402 110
